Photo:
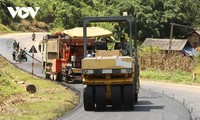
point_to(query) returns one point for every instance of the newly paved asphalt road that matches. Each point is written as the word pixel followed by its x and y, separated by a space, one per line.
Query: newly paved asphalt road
pixel 188 94
pixel 151 105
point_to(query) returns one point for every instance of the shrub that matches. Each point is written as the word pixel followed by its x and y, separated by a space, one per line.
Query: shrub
pixel 154 58
pixel 4 29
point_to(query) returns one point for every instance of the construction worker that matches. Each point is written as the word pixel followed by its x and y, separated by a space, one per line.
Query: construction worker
pixel 14 44
pixel 14 54
pixel 119 45
pixel 123 38
pixel 18 45
pixel 68 52
pixel 33 36
pixel 19 55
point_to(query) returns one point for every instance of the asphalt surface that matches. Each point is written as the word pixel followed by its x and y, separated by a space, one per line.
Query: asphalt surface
pixel 24 39
pixel 187 94
pixel 151 105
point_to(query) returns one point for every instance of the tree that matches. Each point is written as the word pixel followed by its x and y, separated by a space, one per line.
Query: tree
pixel 153 16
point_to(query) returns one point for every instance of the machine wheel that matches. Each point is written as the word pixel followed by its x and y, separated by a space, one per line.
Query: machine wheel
pixel 54 77
pixel 135 97
pixel 116 97
pixel 51 76
pixel 136 92
pixel 100 97
pixel 13 56
pixel 69 76
pixel 20 57
pixel 58 77
pixel 47 76
pixel 62 77
pixel 128 97
pixel 88 98
pixel 70 79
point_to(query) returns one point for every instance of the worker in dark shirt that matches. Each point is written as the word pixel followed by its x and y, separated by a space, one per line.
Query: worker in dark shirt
pixel 33 36
pixel 14 44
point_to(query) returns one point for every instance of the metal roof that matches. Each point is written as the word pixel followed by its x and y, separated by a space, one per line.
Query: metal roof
pixel 195 31
pixel 198 32
pixel 91 32
pixel 163 44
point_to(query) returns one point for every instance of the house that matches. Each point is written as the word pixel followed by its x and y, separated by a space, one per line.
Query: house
pixel 180 45
pixel 194 38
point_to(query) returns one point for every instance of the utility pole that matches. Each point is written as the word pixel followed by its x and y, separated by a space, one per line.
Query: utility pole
pixel 32 61
pixel 33 50
pixel 171 34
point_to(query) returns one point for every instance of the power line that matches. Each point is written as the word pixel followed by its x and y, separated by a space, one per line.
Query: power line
pixel 181 25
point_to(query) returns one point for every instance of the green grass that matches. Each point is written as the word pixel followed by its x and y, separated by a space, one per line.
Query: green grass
pixel 174 67
pixel 49 102
pixel 4 29
pixel 175 76
pixel 7 87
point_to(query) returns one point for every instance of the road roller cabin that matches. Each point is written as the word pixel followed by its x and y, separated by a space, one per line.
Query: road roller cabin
pixel 111 77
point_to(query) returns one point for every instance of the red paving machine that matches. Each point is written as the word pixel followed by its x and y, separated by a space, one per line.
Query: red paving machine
pixel 62 53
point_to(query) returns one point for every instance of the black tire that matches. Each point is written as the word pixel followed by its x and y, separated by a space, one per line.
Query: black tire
pixel 59 78
pixel 100 97
pixel 54 77
pixel 116 97
pixel 19 58
pixel 13 56
pixel 47 76
pixel 63 77
pixel 88 98
pixel 135 97
pixel 136 90
pixel 51 76
pixel 128 97
pixel 68 78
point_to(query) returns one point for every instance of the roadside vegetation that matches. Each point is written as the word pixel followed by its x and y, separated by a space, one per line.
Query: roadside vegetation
pixel 49 102
pixel 153 17
pixel 4 29
pixel 153 21
pixel 174 67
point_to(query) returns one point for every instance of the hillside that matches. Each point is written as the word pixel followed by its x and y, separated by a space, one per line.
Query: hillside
pixel 153 17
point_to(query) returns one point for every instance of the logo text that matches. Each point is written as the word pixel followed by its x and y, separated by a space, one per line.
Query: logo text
pixel 23 12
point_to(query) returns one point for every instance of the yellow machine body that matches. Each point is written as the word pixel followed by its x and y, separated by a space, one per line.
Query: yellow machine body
pixel 108 68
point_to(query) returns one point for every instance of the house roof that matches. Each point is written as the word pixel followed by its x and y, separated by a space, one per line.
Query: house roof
pixel 195 31
pixel 163 44
pixel 198 32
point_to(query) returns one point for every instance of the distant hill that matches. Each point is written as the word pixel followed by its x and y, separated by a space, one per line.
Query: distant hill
pixel 153 17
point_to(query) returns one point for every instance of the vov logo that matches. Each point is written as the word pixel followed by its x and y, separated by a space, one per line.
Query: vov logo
pixel 23 12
